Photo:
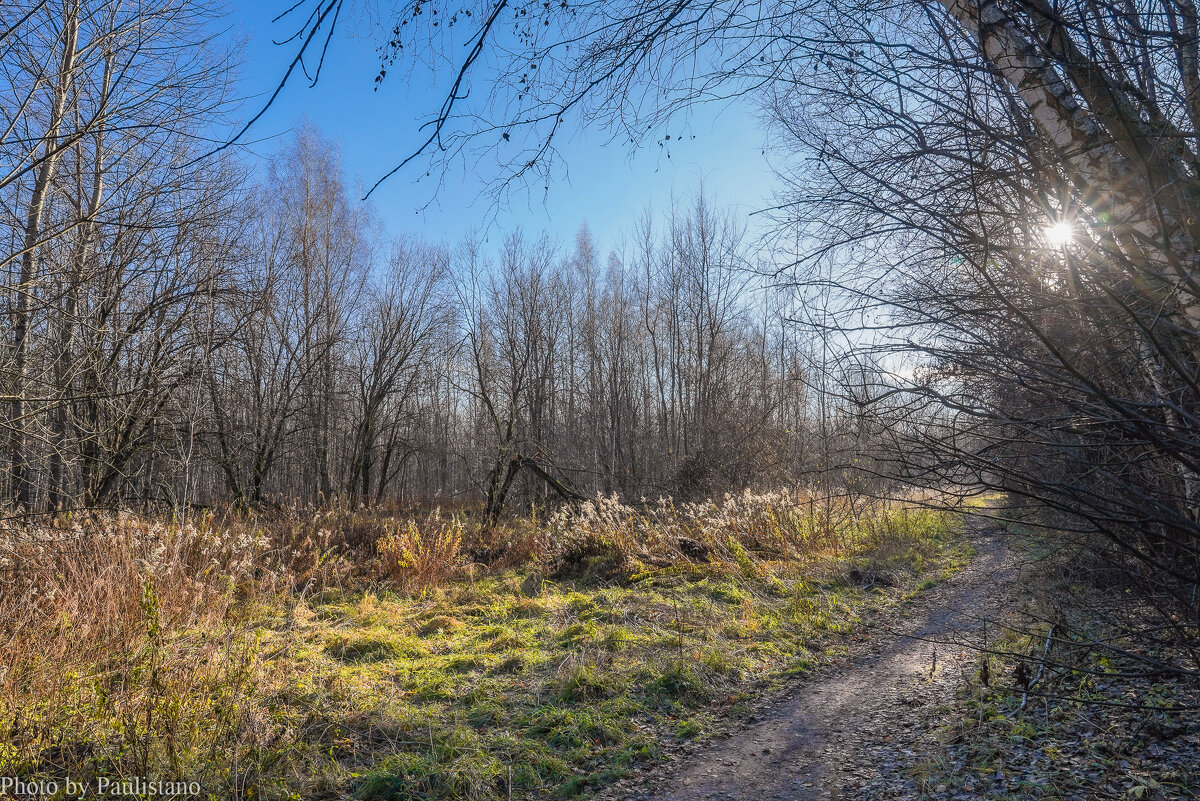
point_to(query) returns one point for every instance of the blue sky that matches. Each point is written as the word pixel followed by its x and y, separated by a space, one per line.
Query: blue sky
pixel 608 186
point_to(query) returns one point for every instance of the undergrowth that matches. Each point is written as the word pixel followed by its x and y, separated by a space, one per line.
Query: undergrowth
pixel 336 653
pixel 1076 697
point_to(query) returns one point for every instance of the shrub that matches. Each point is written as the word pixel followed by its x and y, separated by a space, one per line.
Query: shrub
pixel 419 560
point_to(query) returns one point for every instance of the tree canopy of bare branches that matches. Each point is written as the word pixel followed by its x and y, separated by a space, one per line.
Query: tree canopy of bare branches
pixel 1001 192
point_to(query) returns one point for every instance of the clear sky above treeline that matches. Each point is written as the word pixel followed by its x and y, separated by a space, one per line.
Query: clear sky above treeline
pixel 606 185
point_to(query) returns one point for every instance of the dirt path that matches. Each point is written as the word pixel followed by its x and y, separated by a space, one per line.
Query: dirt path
pixel 852 730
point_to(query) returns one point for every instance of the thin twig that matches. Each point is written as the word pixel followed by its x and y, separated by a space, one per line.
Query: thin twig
pixel 1041 668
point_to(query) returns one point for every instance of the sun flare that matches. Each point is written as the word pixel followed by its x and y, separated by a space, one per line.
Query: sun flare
pixel 1060 234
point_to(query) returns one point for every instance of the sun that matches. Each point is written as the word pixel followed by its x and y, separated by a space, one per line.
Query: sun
pixel 1060 234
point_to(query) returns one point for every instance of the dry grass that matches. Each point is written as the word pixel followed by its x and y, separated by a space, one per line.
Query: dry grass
pixel 421 557
pixel 173 648
pixel 741 529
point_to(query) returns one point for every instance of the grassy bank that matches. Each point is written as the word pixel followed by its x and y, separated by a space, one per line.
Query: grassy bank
pixel 386 659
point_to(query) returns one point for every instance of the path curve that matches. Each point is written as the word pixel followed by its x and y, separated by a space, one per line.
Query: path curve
pixel 850 731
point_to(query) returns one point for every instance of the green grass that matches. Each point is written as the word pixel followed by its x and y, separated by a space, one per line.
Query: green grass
pixel 474 691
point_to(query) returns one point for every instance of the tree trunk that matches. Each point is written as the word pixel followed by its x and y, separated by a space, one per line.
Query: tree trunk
pixel 22 484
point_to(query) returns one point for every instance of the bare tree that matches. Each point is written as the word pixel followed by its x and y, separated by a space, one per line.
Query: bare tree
pixel 1009 214
pixel 183 330
pixel 944 139
pixel 402 313
pixel 95 129
pixel 282 391
pixel 512 335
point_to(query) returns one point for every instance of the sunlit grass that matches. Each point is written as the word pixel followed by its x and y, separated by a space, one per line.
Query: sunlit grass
pixel 480 686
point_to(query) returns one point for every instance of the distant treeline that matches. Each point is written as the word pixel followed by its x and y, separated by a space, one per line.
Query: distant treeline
pixel 183 332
